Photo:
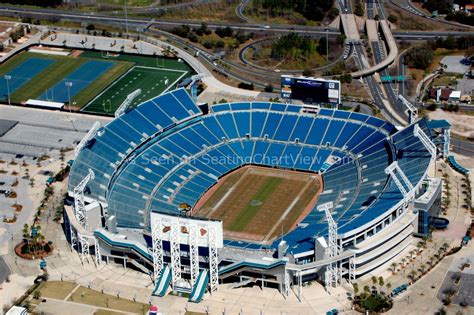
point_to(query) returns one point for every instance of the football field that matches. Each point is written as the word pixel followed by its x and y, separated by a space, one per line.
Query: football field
pixel 151 81
pixel 259 204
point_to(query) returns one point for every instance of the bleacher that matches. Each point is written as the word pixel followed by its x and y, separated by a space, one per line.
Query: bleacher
pixel 456 166
pixel 158 155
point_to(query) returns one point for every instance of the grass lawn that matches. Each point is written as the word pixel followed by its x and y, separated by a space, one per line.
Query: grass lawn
pixel 446 79
pixel 250 211
pixel 262 57
pixel 13 62
pixel 46 78
pixel 91 297
pixel 56 289
pixel 101 83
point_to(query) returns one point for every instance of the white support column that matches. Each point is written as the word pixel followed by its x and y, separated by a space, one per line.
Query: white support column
pixel 157 242
pixel 73 236
pixel 175 254
pixel 79 206
pixel 300 284
pixel 412 110
pixel 447 142
pixel 286 284
pixel 332 274
pixel 213 260
pixel 352 275
pixel 193 253
pixel 86 138
pixel 98 256
pixel 429 145
pixel 84 241
pixel 393 169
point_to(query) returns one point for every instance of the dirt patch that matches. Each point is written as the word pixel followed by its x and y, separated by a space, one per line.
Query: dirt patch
pixel 461 123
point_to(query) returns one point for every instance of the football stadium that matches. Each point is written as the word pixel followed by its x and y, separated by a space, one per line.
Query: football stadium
pixel 252 192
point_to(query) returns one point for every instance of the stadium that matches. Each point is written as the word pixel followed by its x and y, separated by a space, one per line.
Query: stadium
pixel 255 192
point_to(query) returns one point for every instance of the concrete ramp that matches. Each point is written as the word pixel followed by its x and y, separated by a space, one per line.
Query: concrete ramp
pixel 392 55
pixel 350 28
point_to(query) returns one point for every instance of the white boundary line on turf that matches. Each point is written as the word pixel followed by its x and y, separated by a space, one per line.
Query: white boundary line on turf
pixel 126 73
pixel 174 83
pixel 166 69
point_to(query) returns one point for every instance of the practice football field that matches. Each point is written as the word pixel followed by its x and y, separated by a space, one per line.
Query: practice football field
pixel 151 81
pixel 259 204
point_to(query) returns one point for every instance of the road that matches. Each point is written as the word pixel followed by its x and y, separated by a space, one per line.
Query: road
pixel 134 22
pixel 83 17
pixel 407 6
pixel 392 96
pixel 401 72
pixel 462 147
pixel 239 11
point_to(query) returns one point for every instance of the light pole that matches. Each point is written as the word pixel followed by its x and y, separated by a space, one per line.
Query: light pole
pixel 8 78
pixel 69 85
pixel 126 17
pixel 327 45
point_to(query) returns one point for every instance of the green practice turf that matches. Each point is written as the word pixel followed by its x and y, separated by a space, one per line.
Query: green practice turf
pixel 105 94
pixel 250 211
pixel 149 75
pixel 151 81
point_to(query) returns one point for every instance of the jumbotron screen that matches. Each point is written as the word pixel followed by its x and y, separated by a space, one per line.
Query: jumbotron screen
pixel 310 90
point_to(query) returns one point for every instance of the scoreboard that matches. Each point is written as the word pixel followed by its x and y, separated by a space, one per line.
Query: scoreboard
pixel 311 90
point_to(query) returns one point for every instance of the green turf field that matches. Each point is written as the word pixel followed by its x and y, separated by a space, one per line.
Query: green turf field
pixel 151 81
pixel 55 72
pixel 153 75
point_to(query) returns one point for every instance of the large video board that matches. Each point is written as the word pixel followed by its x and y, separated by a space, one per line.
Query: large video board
pixel 311 90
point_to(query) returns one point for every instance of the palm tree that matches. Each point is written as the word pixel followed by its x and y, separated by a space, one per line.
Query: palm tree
pixel 374 280
pixel 403 262
pixel 381 282
pixel 412 252
pixel 25 230
pixel 388 285
pixel 445 246
pixel 394 267
pixel 412 274
pixel 366 289
pixel 422 267
pixel 356 288
pixel 419 246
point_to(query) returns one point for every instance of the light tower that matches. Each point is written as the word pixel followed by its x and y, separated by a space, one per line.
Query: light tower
pixel 332 270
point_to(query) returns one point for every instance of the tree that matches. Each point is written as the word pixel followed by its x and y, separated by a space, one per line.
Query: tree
pixel 388 285
pixel 374 280
pixel 37 295
pixel 90 27
pixel 269 88
pixel 323 46
pixel 394 266
pixel 422 268
pixel 193 37
pixel 420 57
pixel 308 72
pixel 392 18
pixel 26 230
pixel 356 288
pixel 381 281
pixel 366 289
